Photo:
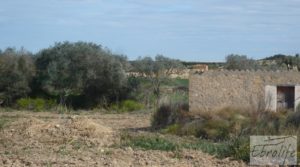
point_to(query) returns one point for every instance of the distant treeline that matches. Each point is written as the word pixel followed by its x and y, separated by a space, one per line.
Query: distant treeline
pixel 79 75
pixel 84 75
pixel 276 62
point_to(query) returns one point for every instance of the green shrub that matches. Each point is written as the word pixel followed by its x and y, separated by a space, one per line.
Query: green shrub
pixel 130 105
pixel 172 129
pixel 114 107
pixel 24 103
pixel 127 106
pixel 168 114
pixel 215 130
pixel 219 150
pixel 293 119
pixel 239 148
pixel 37 104
pixel 161 117
pixel 269 123
pixel 191 128
pixel 148 142
pixel 219 125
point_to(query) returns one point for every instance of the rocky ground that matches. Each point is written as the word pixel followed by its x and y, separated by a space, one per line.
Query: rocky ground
pixel 86 139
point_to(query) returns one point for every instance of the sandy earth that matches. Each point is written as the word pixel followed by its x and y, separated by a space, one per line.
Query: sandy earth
pixel 89 139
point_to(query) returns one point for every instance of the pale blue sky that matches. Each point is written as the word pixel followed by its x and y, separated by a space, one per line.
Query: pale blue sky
pixel 194 30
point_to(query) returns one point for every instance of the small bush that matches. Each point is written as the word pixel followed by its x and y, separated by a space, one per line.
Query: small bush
pixel 219 125
pixel 191 128
pixel 172 129
pixel 168 114
pixel 127 106
pixel 293 119
pixel 215 130
pixel 161 117
pixel 269 123
pixel 148 142
pixel 239 148
pixel 130 105
pixel 37 104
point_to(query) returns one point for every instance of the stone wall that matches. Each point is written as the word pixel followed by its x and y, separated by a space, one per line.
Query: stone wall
pixel 213 90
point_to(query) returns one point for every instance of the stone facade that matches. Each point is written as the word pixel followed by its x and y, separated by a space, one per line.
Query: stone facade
pixel 199 68
pixel 213 90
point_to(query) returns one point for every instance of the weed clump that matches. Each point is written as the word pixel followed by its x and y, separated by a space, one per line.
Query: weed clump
pixel 37 104
pixel 293 119
pixel 169 114
pixel 127 106
pixel 149 143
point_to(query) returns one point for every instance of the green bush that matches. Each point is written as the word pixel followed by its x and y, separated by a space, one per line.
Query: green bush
pixel 270 123
pixel 161 117
pixel 239 148
pixel 16 73
pixel 219 125
pixel 148 142
pixel 172 129
pixel 37 104
pixel 293 119
pixel 130 105
pixel 215 130
pixel 127 106
pixel 168 114
pixel 191 128
pixel 24 103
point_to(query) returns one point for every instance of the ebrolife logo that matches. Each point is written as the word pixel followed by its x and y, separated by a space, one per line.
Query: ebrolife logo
pixel 273 150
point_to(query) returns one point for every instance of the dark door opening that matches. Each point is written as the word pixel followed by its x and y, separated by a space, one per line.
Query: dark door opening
pixel 285 97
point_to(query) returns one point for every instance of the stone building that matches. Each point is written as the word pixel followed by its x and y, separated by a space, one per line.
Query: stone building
pixel 213 90
pixel 198 68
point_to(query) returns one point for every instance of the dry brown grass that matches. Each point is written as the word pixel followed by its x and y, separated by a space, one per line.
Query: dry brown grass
pixel 62 131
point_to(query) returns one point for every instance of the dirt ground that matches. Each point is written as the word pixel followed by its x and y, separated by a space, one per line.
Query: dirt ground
pixel 85 139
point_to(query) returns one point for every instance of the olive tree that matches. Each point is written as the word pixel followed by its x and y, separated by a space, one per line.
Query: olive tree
pixel 16 70
pixel 240 62
pixel 79 69
pixel 156 71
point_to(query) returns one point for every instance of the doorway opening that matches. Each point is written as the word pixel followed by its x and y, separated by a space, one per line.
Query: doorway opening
pixel 285 97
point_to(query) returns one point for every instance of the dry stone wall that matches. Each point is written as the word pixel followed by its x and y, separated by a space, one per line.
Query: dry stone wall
pixel 213 90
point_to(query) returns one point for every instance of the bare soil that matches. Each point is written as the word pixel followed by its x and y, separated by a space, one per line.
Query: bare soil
pixel 86 139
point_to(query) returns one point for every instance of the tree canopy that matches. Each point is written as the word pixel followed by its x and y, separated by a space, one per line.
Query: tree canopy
pixel 240 62
pixel 79 69
pixel 16 71
pixel 157 70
